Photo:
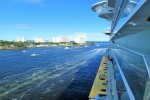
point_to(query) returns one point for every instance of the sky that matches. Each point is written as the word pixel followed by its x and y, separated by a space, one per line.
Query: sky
pixel 49 18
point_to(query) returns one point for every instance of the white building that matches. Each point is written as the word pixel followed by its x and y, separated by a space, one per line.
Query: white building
pixel 21 40
pixel 39 40
pixel 80 39
pixel 60 39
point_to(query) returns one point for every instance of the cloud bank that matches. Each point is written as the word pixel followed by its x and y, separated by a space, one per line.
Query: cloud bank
pixel 91 36
pixel 20 26
pixel 36 2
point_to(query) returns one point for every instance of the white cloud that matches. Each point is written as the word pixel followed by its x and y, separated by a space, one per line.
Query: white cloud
pixel 37 2
pixel 21 26
pixel 33 1
pixel 93 36
pixel 98 37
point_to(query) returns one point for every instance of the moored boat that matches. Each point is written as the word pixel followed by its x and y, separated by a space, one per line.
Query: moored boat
pixel 34 54
pixel 66 48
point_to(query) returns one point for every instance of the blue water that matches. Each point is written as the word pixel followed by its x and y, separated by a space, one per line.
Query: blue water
pixel 58 74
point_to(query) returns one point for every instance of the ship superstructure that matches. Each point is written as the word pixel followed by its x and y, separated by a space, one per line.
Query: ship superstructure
pixel 127 71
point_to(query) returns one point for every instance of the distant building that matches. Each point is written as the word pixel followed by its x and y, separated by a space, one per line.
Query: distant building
pixel 47 41
pixel 39 40
pixel 60 39
pixel 30 40
pixel 80 39
pixel 21 40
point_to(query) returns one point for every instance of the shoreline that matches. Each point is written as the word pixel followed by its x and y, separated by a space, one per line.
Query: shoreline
pixel 19 48
pixel 6 45
pixel 13 48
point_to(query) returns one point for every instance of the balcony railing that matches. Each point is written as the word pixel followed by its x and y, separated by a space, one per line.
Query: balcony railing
pixel 134 69
pixel 124 10
pixel 103 10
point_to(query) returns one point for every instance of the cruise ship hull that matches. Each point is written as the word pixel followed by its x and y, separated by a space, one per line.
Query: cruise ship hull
pixel 128 61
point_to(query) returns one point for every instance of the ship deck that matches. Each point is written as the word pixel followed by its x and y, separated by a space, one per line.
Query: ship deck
pixel 100 83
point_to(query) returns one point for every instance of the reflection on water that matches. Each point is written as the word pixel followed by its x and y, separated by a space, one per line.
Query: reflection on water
pixel 49 76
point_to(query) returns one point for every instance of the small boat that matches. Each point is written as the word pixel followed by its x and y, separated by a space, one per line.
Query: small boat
pixel 30 46
pixel 39 46
pixel 97 45
pixel 54 45
pixel 45 51
pixel 85 46
pixel 66 48
pixel 24 51
pixel 34 55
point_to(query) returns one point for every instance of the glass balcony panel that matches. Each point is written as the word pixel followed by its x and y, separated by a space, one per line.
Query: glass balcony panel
pixel 147 89
pixel 127 8
pixel 135 73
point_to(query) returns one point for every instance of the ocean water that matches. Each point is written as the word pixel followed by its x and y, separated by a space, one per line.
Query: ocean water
pixel 58 74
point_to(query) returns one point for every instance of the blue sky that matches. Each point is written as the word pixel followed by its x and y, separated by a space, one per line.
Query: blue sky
pixel 49 18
